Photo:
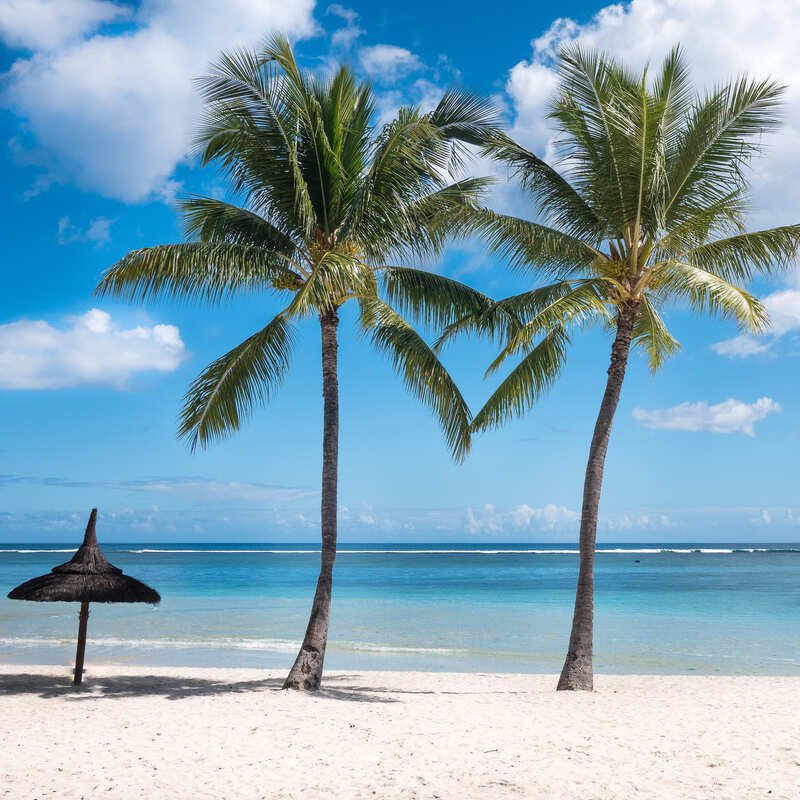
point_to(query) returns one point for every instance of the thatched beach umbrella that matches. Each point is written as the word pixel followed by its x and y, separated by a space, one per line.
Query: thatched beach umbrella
pixel 86 578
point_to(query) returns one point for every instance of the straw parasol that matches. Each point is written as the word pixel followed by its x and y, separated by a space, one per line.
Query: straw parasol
pixel 86 578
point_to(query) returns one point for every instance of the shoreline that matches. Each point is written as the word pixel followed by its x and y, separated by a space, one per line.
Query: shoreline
pixel 224 733
pixel 268 661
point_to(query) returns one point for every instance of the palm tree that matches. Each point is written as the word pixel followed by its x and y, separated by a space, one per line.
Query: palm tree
pixel 328 201
pixel 647 209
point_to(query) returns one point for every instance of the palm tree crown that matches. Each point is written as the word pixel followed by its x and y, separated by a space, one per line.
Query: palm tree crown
pixel 648 209
pixel 330 205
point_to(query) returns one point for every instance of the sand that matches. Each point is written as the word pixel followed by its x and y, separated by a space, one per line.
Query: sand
pixel 234 735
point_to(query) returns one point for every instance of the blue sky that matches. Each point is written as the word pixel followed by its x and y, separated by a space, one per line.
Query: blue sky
pixel 96 112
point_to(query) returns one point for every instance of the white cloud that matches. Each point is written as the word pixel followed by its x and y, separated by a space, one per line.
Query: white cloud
pixel 47 24
pixel 388 63
pixel 783 308
pixel 730 416
pixel 784 311
pixel 91 350
pixel 98 232
pixel 115 111
pixel 548 517
pixel 523 517
pixel 741 346
pixel 343 38
pixel 629 522
pixel 485 520
pixel 722 39
pixel 764 517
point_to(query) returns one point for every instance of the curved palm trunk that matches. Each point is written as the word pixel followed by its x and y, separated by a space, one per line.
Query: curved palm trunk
pixel 577 671
pixel 306 673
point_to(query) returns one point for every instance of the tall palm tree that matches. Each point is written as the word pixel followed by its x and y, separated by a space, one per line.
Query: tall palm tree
pixel 646 209
pixel 329 203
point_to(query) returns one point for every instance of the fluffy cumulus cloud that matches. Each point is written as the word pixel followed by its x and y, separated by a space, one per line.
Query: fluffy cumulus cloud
pixel 552 521
pixel 47 24
pixel 114 108
pixel 346 34
pixel 784 314
pixel 639 522
pixel 722 39
pixel 91 349
pixel 730 416
pixel 490 520
pixel 387 63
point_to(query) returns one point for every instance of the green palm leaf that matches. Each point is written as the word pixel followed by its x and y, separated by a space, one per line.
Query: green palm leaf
pixel 433 299
pixel 707 292
pixel 739 257
pixel 651 334
pixel 525 244
pixel 562 305
pixel 422 372
pixel 526 383
pixel 207 272
pixel 228 390
pixel 212 220
pixel 722 134
pixel 554 197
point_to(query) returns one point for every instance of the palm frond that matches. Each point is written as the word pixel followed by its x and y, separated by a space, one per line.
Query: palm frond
pixel 419 229
pixel 739 257
pixel 212 220
pixel 721 136
pixel 462 120
pixel 710 293
pixel 408 160
pixel 562 305
pixel 675 93
pixel 422 372
pixel 555 198
pixel 597 133
pixel 336 278
pixel 227 391
pixel 196 272
pixel 651 334
pixel 495 321
pixel 722 217
pixel 529 245
pixel 434 300
pixel 464 117
pixel 526 383
pixel 250 129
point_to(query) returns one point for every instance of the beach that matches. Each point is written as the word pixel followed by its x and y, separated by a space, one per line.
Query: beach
pixel 197 733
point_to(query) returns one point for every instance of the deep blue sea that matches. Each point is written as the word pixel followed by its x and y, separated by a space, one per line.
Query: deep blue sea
pixel 693 608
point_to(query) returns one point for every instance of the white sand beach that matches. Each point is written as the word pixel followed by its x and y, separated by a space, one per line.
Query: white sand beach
pixel 233 734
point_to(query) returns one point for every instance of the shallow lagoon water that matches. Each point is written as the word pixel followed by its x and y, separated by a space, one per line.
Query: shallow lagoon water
pixel 729 609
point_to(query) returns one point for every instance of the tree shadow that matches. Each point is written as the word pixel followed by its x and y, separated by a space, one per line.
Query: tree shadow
pixel 335 687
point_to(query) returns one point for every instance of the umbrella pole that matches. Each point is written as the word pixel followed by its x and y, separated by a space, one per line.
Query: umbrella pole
pixel 83 623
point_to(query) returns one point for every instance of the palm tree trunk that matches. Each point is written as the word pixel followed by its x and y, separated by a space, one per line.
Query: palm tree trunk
pixel 306 673
pixel 577 671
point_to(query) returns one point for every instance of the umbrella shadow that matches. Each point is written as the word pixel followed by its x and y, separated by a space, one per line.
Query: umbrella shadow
pixel 336 687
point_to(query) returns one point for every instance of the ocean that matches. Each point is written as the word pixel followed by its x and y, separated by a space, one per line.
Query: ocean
pixel 682 609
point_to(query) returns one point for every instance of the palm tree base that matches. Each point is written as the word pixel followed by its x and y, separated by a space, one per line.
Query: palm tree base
pixel 576 676
pixel 306 673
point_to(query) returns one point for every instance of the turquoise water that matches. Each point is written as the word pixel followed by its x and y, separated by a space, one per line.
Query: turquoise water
pixel 731 609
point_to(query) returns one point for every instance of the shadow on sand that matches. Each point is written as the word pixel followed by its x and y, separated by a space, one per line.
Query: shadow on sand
pixel 336 687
